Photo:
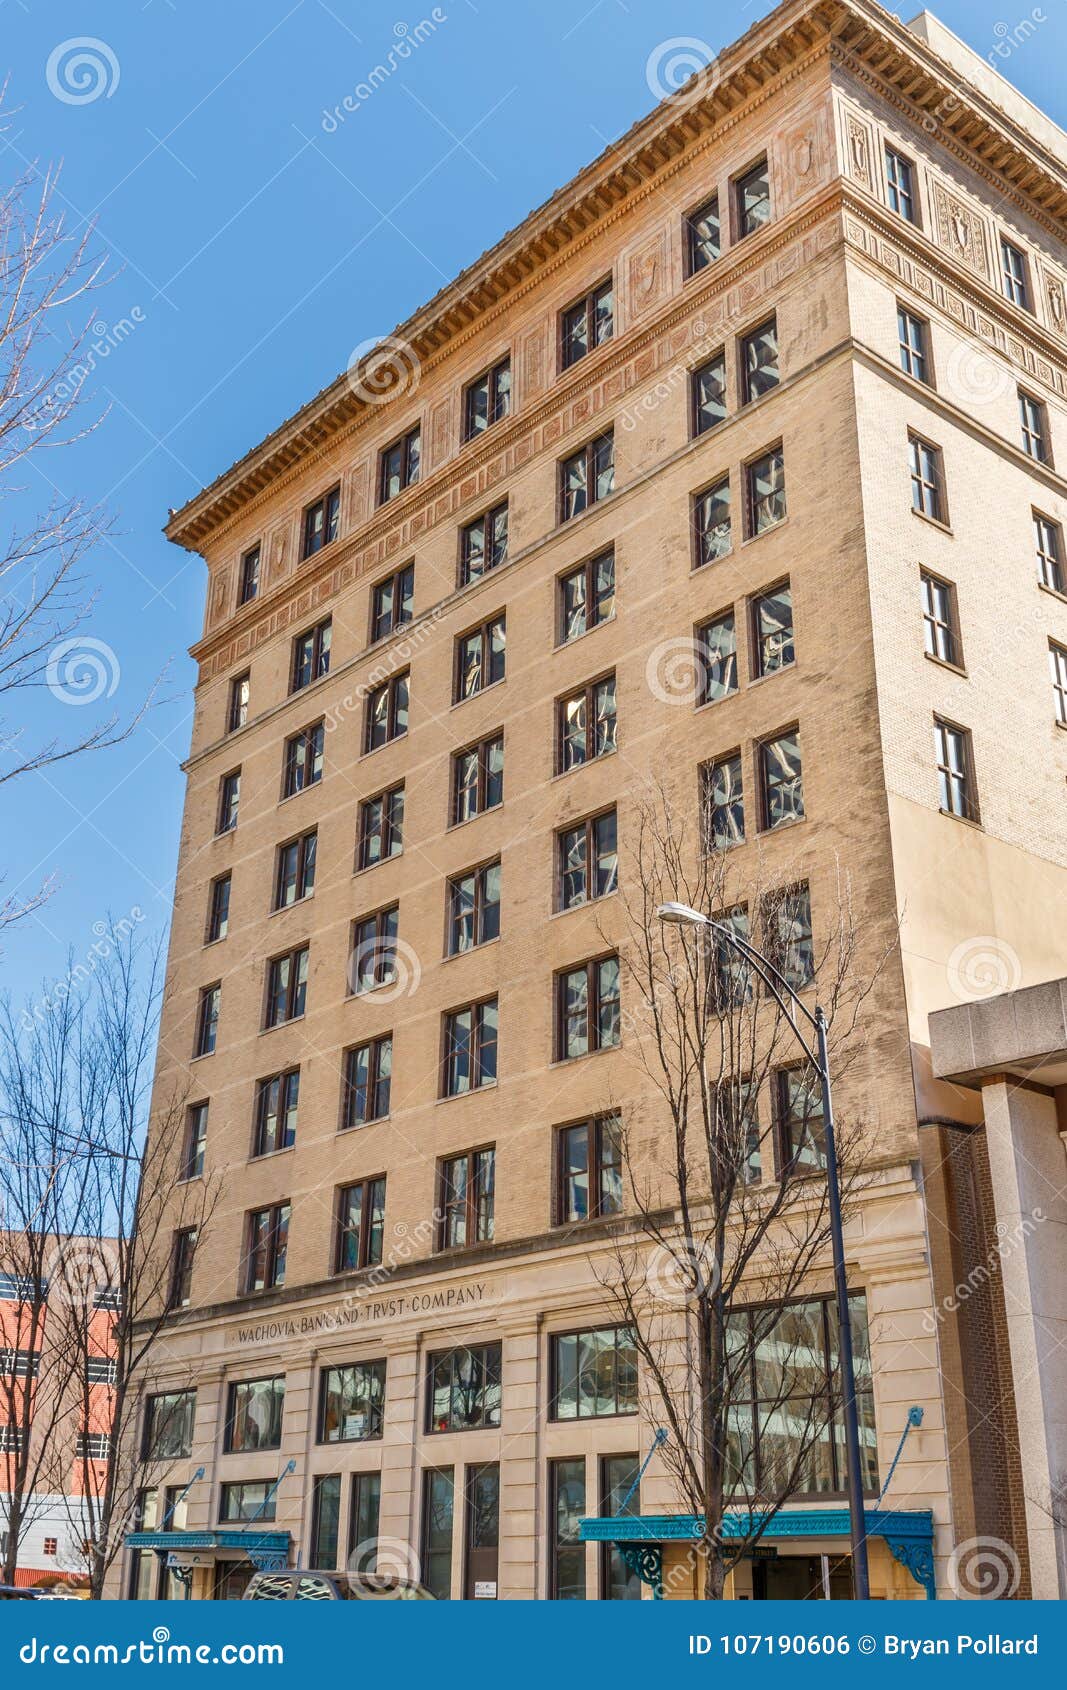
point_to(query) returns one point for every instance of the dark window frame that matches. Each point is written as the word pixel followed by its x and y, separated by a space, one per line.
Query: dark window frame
pixel 183 1253
pixel 383 948
pixel 194 1147
pixel 926 469
pixel 306 847
pixel 274 1213
pixel 752 531
pixel 478 1204
pixel 742 226
pixel 320 655
pixel 229 783
pixel 390 688
pixel 384 623
pixel 588 570
pixel 376 1370
pixel 586 303
pixel 292 986
pixel 589 824
pixel 940 629
pixel 329 505
pixel 706 679
pixel 218 908
pixel 392 830
pixel 478 1043
pixel 482 904
pixel 972 812
pixel 239 702
pixel 588 453
pixel 1034 427
pixel 697 529
pixel 910 354
pixel 409 444
pixel 901 185
pixel 705 776
pixel 484 1349
pixel 697 428
pixel 764 785
pixel 588 692
pixel 208 1010
pixel 744 374
pixel 304 759
pixel 487 522
pixel 1014 287
pixel 483 747
pixel 497 398
pixel 484 633
pixel 366 1256
pixel 288 1084
pixel 691 239
pixel 596 1165
pixel 235 1385
pixel 757 670
pixel 374 1047
pixel 594 1004
pixel 1049 563
pixel 248 574
pixel 554 1374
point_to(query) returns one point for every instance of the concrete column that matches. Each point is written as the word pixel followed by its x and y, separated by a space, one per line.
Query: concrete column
pixel 522 1501
pixel 1026 1164
pixel 401 1500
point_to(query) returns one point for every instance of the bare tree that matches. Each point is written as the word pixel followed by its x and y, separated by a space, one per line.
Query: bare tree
pixel 726 1181
pixel 48 280
pixel 111 1286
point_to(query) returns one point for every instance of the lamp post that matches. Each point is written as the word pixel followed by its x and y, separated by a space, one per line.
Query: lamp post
pixel 788 1001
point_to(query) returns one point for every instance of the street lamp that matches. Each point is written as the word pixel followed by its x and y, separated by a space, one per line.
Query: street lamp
pixel 788 1001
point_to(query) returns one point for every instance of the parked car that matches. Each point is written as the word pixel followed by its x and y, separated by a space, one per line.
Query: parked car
pixel 298 1585
pixel 17 1593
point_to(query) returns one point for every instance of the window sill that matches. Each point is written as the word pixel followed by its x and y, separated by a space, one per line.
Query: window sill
pixel 772 528
pixel 967 821
pixel 296 904
pixel 360 1126
pixel 458 703
pixel 1053 592
pixel 201 1055
pixel 368 868
pixel 563 774
pixel 276 1027
pixel 945 663
pixel 372 750
pixel 479 816
pixel 782 827
pixel 575 639
pixel 270 1155
pixel 301 792
pixel 568 1061
pixel 933 522
pixel 472 950
pixel 209 943
pixel 588 904
pixel 455 1096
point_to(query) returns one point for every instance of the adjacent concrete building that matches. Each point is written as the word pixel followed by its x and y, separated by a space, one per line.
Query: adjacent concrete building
pixel 784 372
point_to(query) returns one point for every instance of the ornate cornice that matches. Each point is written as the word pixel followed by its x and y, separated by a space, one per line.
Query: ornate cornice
pixel 872 44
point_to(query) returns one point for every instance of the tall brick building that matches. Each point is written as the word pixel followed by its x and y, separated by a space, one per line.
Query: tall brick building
pixel 783 372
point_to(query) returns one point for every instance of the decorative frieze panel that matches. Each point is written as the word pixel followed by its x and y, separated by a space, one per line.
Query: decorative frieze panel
pixel 960 229
pixel 1055 306
pixel 646 272
pixel 859 151
pixel 805 155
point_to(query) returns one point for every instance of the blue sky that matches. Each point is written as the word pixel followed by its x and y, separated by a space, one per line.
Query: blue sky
pixel 254 247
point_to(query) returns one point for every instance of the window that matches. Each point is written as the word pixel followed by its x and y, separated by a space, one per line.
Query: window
pixel 92 1446
pixel 246 1500
pixel 487 400
pixel 588 860
pixel 765 488
pixel 381 827
pixel 207 1020
pixel 387 712
pixel 302 765
pixel 325 1520
pixel 311 655
pixel 786 921
pixel 218 909
pixel 464 1392
pixel 738 1122
pixel 703 236
pixel 195 1141
pixel 363 1514
pixel 593 1373
pixel 1048 543
pixel 913 334
pixel 1013 274
pixel 940 622
pixel 373 959
pixel 12 1442
pixel 589 1170
pixel 229 799
pixel 168 1426
pixel 588 1009
pixel 588 323
pixel 771 614
pixel 465 1199
pixel 586 725
pixel 478 779
pixel 566 1570
pixel 470 1048
pixel 368 1071
pixel 399 467
pixel 1057 662
pixel 716 654
pixel 101 1370
pixel 360 1225
pixel 587 476
pixel 322 522
pixel 287 979
pixel 752 200
pixel 50 1546
pixel 237 713
pixel 781 785
pixel 181 1268
pixel 438 1508
pixel 276 1107
pixel 708 394
pixel 730 974
pixel 899 184
pixel 294 876
pixel 955 770
pixel 268 1240
pixel 392 603
pixel 351 1402
pixel 586 596
pixel 711 523
pixel 474 908
pixel 483 545
pixel 480 658
pixel 19 1364
pixel 1033 422
pixel 248 580
pixel 801 1127
pixel 927 479
pixel 792 1418
pixel 620 1493
pixel 759 361
pixel 723 805
pixel 254 1415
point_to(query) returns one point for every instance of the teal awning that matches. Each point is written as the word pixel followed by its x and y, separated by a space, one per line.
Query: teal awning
pixel 250 1543
pixel 909 1533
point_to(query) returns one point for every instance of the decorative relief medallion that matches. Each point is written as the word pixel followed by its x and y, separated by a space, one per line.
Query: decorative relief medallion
pixel 858 147
pixel 534 360
pixel 646 274
pixel 1055 308
pixel 442 432
pixel 276 551
pixel 961 230
pixel 805 155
